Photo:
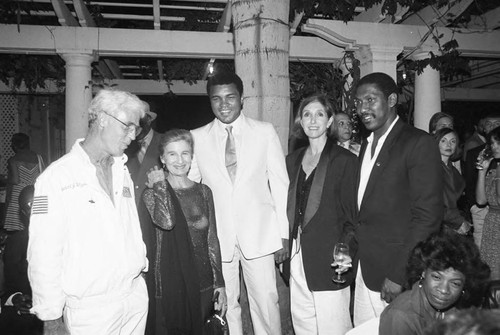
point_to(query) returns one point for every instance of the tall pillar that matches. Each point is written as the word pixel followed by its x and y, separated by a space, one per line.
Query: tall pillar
pixel 427 94
pixel 375 58
pixel 78 95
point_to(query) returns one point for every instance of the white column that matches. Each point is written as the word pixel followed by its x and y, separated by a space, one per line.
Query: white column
pixel 427 94
pixel 78 95
pixel 376 58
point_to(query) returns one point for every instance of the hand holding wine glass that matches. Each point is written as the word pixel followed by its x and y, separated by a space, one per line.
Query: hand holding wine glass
pixel 484 158
pixel 342 260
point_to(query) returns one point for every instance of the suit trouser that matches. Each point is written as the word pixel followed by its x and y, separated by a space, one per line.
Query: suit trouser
pixel 109 315
pixel 478 215
pixel 367 303
pixel 316 312
pixel 260 280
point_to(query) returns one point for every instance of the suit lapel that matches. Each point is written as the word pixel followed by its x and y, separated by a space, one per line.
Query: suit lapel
pixel 292 192
pixel 382 159
pixel 318 184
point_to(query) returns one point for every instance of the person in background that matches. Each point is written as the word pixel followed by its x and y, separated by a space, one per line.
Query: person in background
pixel 186 261
pixel 23 169
pixel 242 162
pixel 400 195
pixel 143 155
pixel 445 273
pixel 440 120
pixel 477 139
pixel 321 212
pixel 454 183
pixel 85 252
pixel 488 192
pixel 478 211
pixel 342 130
pixel 472 321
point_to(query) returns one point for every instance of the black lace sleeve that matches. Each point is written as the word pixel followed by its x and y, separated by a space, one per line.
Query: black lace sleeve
pixel 213 240
pixel 159 205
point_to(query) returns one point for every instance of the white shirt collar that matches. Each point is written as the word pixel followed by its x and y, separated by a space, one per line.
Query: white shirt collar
pixel 236 124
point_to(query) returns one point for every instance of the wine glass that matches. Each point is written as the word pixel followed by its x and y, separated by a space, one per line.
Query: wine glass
pixel 484 155
pixel 340 257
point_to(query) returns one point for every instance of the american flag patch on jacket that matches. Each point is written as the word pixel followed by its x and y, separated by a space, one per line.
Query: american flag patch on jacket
pixel 40 205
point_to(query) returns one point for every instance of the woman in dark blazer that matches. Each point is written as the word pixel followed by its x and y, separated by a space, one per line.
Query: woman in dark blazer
pixel 321 208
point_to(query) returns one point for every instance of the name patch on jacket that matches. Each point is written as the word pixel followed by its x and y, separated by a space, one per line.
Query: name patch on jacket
pixel 40 205
pixel 126 192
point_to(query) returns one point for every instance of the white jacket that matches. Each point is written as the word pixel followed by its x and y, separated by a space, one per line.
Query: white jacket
pixel 252 211
pixel 81 244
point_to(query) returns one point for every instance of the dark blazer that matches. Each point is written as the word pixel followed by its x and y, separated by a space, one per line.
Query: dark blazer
pixel 330 212
pixel 402 204
pixel 16 265
pixel 138 173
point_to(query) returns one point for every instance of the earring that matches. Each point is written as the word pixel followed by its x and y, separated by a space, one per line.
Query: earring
pixel 420 282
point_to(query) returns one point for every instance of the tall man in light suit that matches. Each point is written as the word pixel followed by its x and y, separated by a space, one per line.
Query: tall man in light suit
pixel 245 167
pixel 400 195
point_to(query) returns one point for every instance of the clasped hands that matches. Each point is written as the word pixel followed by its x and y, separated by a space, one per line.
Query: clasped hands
pixel 344 265
pixel 22 303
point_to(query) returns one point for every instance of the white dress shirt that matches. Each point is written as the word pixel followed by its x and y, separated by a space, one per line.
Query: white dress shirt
pixel 369 161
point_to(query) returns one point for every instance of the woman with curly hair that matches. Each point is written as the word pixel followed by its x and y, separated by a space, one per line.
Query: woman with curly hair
pixel 445 273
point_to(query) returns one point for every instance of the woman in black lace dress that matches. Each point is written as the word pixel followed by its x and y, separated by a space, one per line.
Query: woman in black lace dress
pixel 186 263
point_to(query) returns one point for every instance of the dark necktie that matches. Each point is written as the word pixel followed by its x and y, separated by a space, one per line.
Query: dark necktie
pixel 231 163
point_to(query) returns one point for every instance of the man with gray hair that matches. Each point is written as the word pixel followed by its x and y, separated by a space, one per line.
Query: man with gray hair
pixel 85 252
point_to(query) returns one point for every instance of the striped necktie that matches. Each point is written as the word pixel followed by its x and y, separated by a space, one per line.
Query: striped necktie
pixel 231 162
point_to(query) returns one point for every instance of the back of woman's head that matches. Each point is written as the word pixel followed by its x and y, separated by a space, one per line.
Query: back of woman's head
pixel 447 249
pixel 20 141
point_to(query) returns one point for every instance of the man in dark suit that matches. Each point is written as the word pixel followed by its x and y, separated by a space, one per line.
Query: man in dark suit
pixel 400 195
pixel 143 156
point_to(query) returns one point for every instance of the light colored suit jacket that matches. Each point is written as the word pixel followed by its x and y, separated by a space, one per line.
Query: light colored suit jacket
pixel 252 211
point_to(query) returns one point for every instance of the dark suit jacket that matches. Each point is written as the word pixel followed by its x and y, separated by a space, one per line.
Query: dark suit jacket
pixel 16 265
pixel 330 212
pixel 402 204
pixel 138 173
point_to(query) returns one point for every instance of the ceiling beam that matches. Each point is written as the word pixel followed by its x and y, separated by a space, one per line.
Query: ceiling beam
pixel 351 35
pixel 114 42
pixel 470 94
pixel 64 15
pixel 86 20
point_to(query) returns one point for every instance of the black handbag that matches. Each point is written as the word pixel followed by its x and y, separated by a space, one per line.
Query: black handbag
pixel 216 325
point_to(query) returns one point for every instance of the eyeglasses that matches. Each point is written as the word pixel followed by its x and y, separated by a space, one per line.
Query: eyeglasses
pixel 129 128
